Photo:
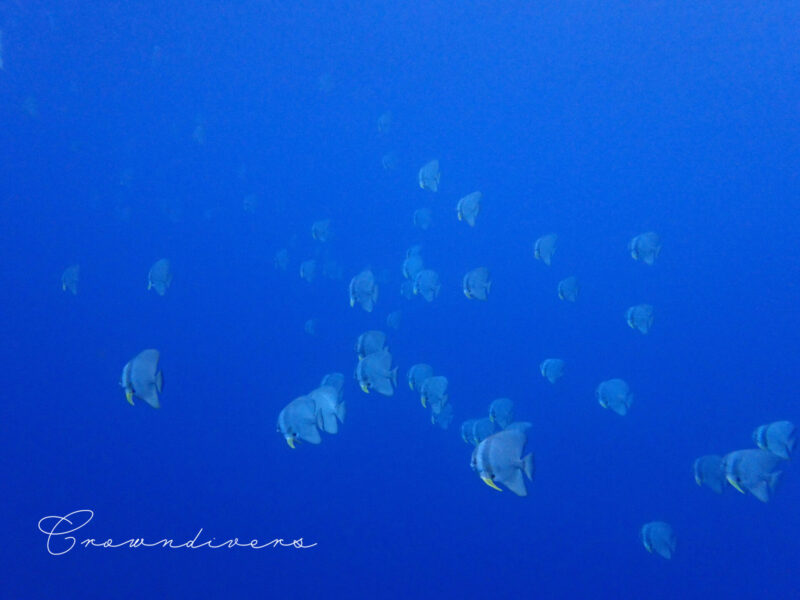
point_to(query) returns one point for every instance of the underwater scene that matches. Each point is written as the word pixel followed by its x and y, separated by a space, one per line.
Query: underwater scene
pixel 400 300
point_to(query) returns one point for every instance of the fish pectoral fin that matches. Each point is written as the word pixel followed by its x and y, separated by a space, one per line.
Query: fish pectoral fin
pixel 129 396
pixel 290 441
pixel 734 483
pixel 488 481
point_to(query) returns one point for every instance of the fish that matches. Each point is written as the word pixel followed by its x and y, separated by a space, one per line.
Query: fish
pixel 407 289
pixel 385 122
pixel 477 284
pixel 640 318
pixel 442 415
pixel 423 218
pixel 330 408
pixel 417 375
pixel 552 369
pixel 426 284
pixel 658 537
pixel 321 230
pixel 281 260
pixel 70 278
pixel 568 289
pixel 375 372
pixel 429 176
pixel 468 208
pixel 298 422
pixel 160 276
pixel 545 247
pixel 501 412
pixel 394 318
pixel 434 391
pixel 709 471
pixel 310 326
pixel 142 378
pixel 498 458
pixel 412 265
pixel 466 431
pixel 615 394
pixel 334 380
pixel 645 247
pixel 308 270
pixel 482 429
pixel 369 342
pixel 364 290
pixel 754 471
pixel 389 161
pixel 779 437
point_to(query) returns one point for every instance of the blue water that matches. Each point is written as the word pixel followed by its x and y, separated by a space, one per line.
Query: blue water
pixel 595 120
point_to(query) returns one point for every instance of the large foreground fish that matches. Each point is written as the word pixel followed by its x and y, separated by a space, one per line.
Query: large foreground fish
pixel 753 471
pixel 298 421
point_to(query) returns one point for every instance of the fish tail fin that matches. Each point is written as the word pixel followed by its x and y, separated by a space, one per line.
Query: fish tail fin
pixel 341 411
pixel 529 466
pixel 159 381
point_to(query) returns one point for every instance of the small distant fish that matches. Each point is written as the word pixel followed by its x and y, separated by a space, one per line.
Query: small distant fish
pixel 308 270
pixel 434 391
pixel 645 247
pixel 298 422
pixel 477 284
pixel 364 290
pixel 640 317
pixel 468 208
pixel 389 161
pixel 370 342
pixel 423 218
pixel 142 378
pixel 754 471
pixel 70 279
pixel 160 276
pixel 375 372
pixel 417 375
pixel 426 284
pixel 310 326
pixel 545 247
pixel 709 471
pixel 393 319
pixel 779 437
pixel 615 395
pixel 385 122
pixel 321 230
pixel 499 458
pixel 412 265
pixel 568 289
pixel 501 412
pixel 658 537
pixel 407 289
pixel 415 250
pixel 281 260
pixel 552 369
pixel 429 176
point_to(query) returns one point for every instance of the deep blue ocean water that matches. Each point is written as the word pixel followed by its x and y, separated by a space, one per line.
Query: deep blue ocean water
pixel 594 120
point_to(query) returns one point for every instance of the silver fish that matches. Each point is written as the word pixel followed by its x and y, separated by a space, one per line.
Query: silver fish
pixel 658 537
pixel 545 247
pixel 645 247
pixel 640 317
pixel 298 421
pixel 552 369
pixel 142 378
pixel 417 375
pixel 754 471
pixel 375 372
pixel 308 270
pixel 779 438
pixel 709 471
pixel 568 289
pixel 321 230
pixel 329 407
pixel 426 284
pixel 369 342
pixel 160 276
pixel 615 394
pixel 70 279
pixel 434 391
pixel 423 218
pixel 477 284
pixel 501 412
pixel 429 176
pixel 468 208
pixel 364 290
pixel 499 458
